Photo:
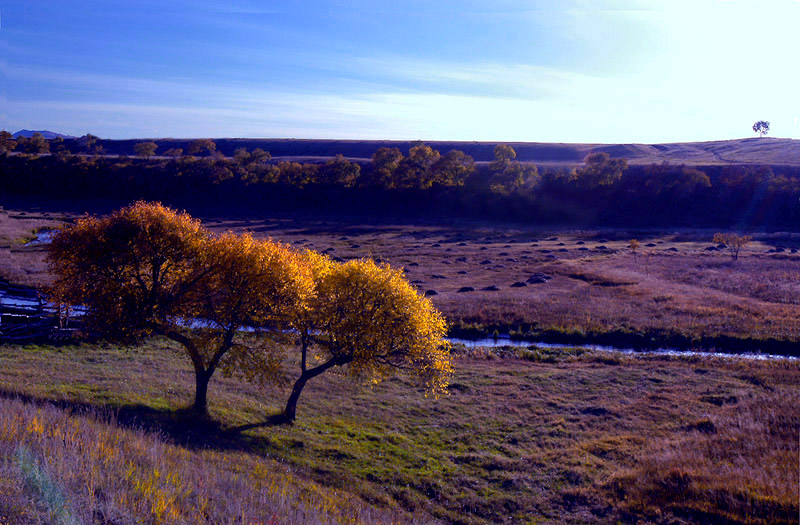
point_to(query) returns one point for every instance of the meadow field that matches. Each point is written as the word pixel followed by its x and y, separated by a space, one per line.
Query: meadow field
pixel 524 436
pixel 677 289
pixel 97 433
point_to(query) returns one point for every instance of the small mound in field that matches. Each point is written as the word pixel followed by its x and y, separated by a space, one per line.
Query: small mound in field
pixel 502 253
pixel 329 250
pixel 413 264
pixel 673 249
pixel 417 281
pixel 519 284
pixel 563 250
pixel 462 272
pixel 428 293
pixel 650 244
pixel 461 259
pixel 553 239
pixel 446 262
pixel 436 245
pixel 484 248
pixel 601 247
pixel 437 276
pixel 602 240
pixel 461 244
pixel 354 246
pixel 338 259
pixel 580 243
pixel 583 249
pixel 711 248
pixel 511 259
pixel 526 252
pixel 491 288
pixel 343 238
pixel 487 261
pixel 544 251
pixel 466 289
pixel 561 244
pixel 534 240
pixel 507 246
pixel 538 278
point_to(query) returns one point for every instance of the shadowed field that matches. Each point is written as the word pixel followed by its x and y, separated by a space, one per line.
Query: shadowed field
pixel 543 436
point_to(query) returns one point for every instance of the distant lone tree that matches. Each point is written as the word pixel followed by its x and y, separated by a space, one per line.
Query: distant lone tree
pixel 733 242
pixel 369 319
pixel 633 244
pixel 761 127
pixel 147 270
pixel 145 149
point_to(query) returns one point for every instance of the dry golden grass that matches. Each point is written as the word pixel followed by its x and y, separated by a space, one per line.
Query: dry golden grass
pixel 738 465
pixel 674 286
pixel 59 466
pixel 543 436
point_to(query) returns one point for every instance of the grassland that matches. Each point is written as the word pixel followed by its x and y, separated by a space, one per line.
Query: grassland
pixel 97 432
pixel 677 290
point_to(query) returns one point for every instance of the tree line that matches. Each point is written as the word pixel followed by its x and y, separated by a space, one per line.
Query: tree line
pixel 600 191
pixel 245 305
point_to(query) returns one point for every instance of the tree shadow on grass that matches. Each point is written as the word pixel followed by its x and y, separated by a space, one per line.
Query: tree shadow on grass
pixel 182 427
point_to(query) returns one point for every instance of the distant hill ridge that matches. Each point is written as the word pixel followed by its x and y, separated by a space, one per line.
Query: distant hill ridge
pixel 767 150
pixel 753 150
pixel 28 133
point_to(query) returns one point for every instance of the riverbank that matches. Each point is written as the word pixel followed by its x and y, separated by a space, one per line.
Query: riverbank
pixel 677 290
pixel 620 340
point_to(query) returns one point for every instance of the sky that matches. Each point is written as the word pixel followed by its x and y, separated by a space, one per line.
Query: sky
pixel 608 71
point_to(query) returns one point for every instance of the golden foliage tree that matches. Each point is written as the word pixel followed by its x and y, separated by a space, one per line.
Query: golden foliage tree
pixel 145 149
pixel 633 244
pixel 199 146
pixel 733 241
pixel 7 142
pixel 147 270
pixel 368 317
pixel 599 169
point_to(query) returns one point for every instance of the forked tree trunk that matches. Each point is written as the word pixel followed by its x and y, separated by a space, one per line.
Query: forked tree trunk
pixel 290 412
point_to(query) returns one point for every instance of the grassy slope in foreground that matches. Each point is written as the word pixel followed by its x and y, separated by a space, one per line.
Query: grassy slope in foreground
pixel 564 437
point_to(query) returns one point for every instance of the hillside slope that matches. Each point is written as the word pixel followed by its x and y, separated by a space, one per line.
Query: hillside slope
pixel 773 151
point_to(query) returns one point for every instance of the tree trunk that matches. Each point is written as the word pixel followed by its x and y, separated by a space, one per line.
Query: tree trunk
pixel 290 412
pixel 201 379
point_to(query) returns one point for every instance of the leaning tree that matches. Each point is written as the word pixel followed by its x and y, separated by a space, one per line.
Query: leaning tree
pixel 369 320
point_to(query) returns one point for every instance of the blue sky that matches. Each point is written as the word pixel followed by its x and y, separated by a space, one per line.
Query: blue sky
pixel 536 70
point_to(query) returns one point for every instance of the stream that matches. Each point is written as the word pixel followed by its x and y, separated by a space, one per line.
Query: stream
pixel 21 300
pixel 501 341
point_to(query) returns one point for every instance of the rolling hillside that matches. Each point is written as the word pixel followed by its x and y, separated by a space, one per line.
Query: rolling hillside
pixel 773 151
